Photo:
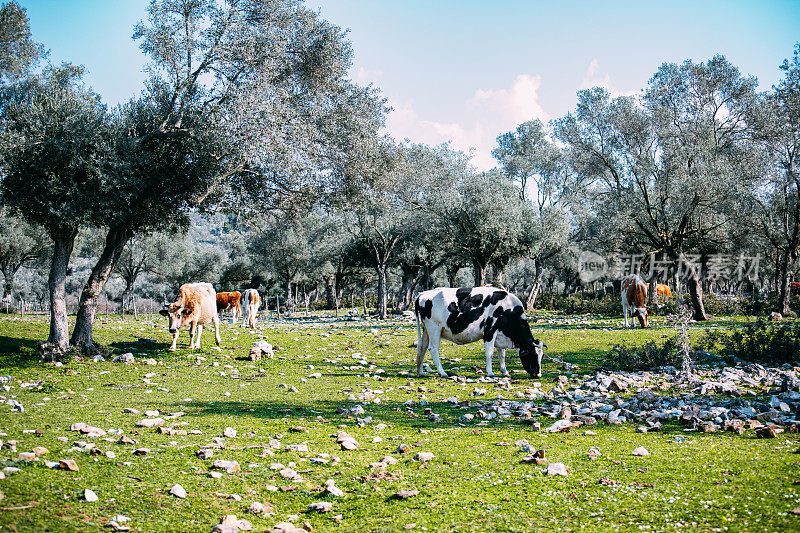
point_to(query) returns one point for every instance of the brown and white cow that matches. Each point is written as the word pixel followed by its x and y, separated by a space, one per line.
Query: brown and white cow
pixel 634 298
pixel 230 301
pixel 663 290
pixel 195 306
pixel 251 301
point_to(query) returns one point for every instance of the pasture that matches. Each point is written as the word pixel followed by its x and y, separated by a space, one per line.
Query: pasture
pixel 691 481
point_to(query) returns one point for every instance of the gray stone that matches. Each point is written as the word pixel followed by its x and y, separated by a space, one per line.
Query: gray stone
pixel 556 469
pixel 320 507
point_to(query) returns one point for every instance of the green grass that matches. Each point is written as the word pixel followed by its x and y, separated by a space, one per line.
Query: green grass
pixel 714 482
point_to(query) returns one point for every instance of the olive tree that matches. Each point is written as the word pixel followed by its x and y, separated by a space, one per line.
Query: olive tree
pixel 670 172
pixel 57 164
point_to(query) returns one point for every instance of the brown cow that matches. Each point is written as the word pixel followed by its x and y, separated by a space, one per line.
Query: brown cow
pixel 663 290
pixel 230 300
pixel 634 296
pixel 196 305
pixel 251 301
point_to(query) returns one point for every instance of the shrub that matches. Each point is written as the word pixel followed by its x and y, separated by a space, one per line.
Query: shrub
pixel 759 342
pixel 581 303
pixel 724 305
pixel 649 355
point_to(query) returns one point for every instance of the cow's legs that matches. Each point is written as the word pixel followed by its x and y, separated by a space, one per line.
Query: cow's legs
pixel 502 353
pixel 215 321
pixel 192 333
pixel 489 353
pixel 625 313
pixel 174 344
pixel 435 341
pixel 422 347
pixel 198 336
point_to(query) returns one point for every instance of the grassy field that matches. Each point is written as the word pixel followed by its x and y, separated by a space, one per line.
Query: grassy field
pixel 695 482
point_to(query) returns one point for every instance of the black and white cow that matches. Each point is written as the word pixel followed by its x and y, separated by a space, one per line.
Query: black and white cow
pixel 470 314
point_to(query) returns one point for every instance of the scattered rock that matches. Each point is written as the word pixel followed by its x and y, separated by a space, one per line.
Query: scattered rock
pixel 556 469
pixel 178 491
pixel 287 527
pixel 288 473
pixel 231 524
pixel 559 426
pixel 68 464
pixel 89 495
pixel 205 453
pixel 228 466
pixel 424 456
pixel 320 507
pixel 332 489
pixel 229 433
pixel 151 422
pixel 594 453
pixel 404 494
pixel 766 432
pixel 641 451
pixel 259 508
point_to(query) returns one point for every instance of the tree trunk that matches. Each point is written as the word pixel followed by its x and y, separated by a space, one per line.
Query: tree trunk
pixel 58 341
pixel 652 295
pixel 695 290
pixel 537 285
pixel 479 273
pixel 126 294
pixel 498 275
pixel 785 292
pixel 452 274
pixel 410 281
pixel 87 307
pixel 8 281
pixel 381 306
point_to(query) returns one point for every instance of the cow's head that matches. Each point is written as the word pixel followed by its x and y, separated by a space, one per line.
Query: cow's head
pixel 531 356
pixel 514 325
pixel 641 314
pixel 178 314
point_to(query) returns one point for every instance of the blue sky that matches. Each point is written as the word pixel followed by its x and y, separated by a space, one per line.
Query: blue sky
pixel 466 71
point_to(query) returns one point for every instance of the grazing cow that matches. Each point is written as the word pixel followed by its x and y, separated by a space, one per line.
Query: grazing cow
pixel 663 290
pixel 196 305
pixel 230 300
pixel 251 301
pixel 634 296
pixel 470 314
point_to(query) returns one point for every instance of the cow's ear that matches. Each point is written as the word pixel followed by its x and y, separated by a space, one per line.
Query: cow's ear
pixel 163 312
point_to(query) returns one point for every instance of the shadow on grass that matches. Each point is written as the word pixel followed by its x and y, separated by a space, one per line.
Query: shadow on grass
pixel 141 345
pixel 395 414
pixel 19 353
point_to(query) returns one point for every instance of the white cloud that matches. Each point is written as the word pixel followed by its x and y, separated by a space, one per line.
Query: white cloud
pixel 487 114
pixel 593 78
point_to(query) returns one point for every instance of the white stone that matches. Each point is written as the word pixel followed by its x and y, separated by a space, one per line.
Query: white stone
pixel 178 491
